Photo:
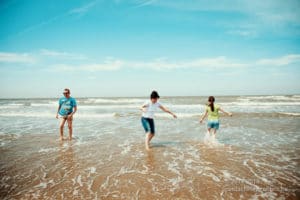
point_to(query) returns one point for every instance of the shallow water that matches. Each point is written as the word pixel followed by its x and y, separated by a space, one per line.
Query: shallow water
pixel 255 154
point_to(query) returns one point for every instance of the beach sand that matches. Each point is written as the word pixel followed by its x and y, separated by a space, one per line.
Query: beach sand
pixel 41 167
pixel 255 156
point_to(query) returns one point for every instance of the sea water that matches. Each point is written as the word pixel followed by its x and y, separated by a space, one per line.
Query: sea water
pixel 255 154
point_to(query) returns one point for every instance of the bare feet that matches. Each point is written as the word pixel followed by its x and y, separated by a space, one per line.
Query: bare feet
pixel 61 138
pixel 147 146
pixel 213 136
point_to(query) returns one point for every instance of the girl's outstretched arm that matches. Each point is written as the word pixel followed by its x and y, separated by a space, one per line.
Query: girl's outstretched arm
pixel 142 108
pixel 203 117
pixel 167 111
pixel 227 113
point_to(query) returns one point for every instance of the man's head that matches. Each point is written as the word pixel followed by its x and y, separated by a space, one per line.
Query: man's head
pixel 66 92
pixel 154 97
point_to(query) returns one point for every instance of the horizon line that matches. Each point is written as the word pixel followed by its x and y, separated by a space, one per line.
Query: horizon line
pixel 167 96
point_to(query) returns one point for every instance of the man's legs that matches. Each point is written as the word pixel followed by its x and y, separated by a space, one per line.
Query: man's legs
pixel 70 127
pixel 61 128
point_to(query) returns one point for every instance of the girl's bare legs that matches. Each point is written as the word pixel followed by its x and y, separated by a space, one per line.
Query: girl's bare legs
pixel 214 133
pixel 208 131
pixel 148 138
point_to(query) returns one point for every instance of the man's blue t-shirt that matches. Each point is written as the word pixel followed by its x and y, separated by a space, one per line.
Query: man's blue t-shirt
pixel 66 105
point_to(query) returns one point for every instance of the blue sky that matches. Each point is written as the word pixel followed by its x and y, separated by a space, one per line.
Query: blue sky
pixel 130 47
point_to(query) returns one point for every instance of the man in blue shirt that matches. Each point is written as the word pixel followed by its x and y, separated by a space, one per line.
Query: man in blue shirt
pixel 66 109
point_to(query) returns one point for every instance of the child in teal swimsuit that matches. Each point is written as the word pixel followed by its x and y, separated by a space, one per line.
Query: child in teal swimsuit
pixel 212 110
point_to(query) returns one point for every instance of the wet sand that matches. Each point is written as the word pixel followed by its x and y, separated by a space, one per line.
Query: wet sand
pixel 256 155
pixel 41 167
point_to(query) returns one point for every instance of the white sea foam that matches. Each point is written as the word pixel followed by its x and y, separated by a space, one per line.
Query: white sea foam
pixel 226 174
pixel 103 115
pixel 274 98
pixel 210 140
pixel 179 115
pixel 47 150
pixel 52 115
pixel 79 181
pixel 42 185
pixel 288 113
pixel 126 147
pixel 32 114
pixel 259 104
pixel 114 101
pixel 49 104
pixel 131 106
pixel 11 106
pixel 92 170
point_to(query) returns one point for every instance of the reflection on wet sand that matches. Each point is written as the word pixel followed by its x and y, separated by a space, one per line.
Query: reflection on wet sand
pixel 108 168
pixel 150 160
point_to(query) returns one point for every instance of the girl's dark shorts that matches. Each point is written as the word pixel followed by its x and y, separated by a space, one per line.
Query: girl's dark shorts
pixel 148 125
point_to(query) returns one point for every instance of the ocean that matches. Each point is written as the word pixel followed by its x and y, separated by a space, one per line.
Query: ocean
pixel 256 154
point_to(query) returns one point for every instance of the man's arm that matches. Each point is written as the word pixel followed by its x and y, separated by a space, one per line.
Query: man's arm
pixel 74 111
pixel 58 111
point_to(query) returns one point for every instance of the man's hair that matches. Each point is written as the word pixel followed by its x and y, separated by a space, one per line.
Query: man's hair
pixel 67 89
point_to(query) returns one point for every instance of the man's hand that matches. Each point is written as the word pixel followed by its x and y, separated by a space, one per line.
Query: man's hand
pixel 70 116
pixel 56 116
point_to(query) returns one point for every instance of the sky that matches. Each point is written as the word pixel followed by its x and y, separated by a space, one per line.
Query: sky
pixel 117 48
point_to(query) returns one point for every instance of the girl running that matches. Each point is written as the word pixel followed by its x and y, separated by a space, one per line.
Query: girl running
pixel 212 110
pixel 148 109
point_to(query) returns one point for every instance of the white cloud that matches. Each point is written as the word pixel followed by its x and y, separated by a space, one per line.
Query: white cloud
pixel 80 11
pixel 243 32
pixel 142 3
pixel 265 16
pixel 284 60
pixel 51 53
pixel 111 64
pixel 164 64
pixel 107 65
pixel 83 9
pixel 221 62
pixel 268 9
pixel 16 58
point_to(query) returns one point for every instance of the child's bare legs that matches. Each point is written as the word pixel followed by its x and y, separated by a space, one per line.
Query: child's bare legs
pixel 213 134
pixel 148 138
pixel 214 131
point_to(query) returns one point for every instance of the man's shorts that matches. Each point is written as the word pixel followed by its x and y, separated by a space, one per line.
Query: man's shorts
pixel 63 116
pixel 148 125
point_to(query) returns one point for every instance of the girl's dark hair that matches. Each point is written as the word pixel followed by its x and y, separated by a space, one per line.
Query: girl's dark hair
pixel 211 99
pixel 154 95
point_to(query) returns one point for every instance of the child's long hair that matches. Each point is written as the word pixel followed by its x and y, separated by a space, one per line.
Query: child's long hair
pixel 211 99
